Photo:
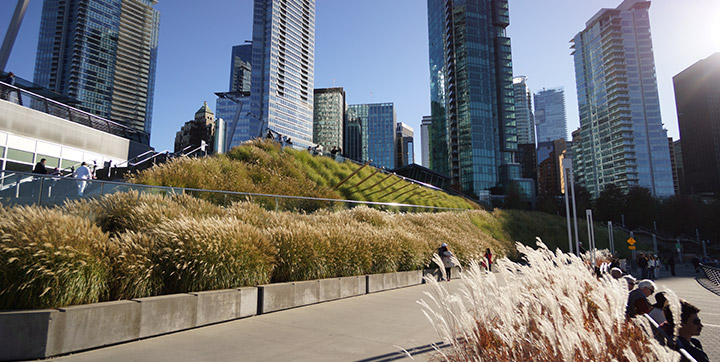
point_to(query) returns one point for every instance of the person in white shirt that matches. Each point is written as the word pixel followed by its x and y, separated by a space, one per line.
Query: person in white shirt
pixel 81 174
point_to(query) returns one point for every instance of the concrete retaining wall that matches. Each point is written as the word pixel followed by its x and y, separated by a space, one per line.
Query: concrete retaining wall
pixel 45 333
pixel 380 282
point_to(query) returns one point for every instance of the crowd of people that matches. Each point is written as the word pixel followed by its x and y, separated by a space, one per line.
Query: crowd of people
pixel 638 304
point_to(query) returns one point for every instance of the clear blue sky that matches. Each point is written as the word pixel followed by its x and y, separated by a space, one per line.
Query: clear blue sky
pixel 377 50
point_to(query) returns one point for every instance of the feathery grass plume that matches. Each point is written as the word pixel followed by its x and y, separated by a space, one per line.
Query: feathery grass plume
pixel 550 309
pixel 136 211
pixel 190 254
pixel 50 259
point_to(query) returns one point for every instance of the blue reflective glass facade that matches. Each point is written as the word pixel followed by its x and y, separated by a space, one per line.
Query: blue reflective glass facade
pixel 622 140
pixel 550 117
pixel 473 135
pixel 102 53
pixel 234 106
pixel 283 61
pixel 377 123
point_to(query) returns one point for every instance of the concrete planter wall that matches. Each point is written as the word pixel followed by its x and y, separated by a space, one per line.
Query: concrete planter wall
pixel 45 333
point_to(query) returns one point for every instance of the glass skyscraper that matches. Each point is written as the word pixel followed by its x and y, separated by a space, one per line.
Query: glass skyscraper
pixel 425 140
pixel 238 126
pixel 404 143
pixel 550 117
pixel 377 132
pixel 473 133
pixel 329 117
pixel 697 97
pixel 622 140
pixel 523 111
pixel 283 61
pixel 102 53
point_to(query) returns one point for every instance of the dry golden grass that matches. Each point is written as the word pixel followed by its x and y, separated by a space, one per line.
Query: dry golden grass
pixel 49 259
pixel 551 308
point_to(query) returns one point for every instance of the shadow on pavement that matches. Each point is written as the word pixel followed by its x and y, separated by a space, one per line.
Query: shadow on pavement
pixel 412 352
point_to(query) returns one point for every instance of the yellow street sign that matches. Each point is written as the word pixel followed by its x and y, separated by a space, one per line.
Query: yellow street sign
pixel 631 241
pixel 631 247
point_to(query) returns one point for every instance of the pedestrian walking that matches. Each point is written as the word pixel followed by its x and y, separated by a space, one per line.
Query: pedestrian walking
pixel 447 258
pixel 671 262
pixel 82 174
pixel 488 259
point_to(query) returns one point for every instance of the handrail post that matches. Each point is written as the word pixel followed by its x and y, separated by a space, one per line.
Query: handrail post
pixel 102 188
pixel 40 191
pixel 277 205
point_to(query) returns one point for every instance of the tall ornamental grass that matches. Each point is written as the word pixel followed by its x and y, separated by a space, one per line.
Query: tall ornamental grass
pixel 551 308
pixel 262 166
pixel 187 254
pixel 129 245
pixel 50 259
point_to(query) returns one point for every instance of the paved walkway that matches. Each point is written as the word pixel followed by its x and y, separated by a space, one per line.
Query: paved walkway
pixel 369 328
pixel 365 328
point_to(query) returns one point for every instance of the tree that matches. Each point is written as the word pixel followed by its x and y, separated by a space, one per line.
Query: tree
pixel 610 205
pixel 641 208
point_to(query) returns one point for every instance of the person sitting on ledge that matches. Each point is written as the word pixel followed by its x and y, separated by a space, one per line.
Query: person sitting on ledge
pixel 638 303
pixel 690 326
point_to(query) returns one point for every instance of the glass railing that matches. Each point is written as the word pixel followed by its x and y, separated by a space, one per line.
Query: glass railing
pixel 22 188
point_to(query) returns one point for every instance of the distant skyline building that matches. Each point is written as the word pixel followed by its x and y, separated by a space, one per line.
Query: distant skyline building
pixel 697 98
pixel 329 117
pixel 238 126
pixel 679 169
pixel 524 118
pixel 473 132
pixel 622 137
pixel 196 131
pixel 377 132
pixel 283 63
pixel 354 147
pixel 425 140
pixel 550 116
pixel 102 53
pixel 550 171
pixel 404 145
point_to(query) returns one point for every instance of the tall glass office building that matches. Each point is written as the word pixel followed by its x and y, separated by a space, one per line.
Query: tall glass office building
pixel 283 62
pixel 329 117
pixel 524 118
pixel 234 106
pixel 377 122
pixel 550 116
pixel 102 53
pixel 622 140
pixel 473 132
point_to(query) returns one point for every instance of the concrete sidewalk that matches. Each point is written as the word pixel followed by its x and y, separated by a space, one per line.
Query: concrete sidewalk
pixel 367 328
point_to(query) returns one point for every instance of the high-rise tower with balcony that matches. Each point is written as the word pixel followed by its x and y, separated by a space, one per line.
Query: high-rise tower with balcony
pixel 283 61
pixel 622 137
pixel 524 118
pixel 473 132
pixel 102 53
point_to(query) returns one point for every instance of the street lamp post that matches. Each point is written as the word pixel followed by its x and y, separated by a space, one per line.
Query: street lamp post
pixel 567 207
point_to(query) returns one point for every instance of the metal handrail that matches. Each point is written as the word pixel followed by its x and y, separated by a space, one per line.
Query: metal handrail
pixel 239 193
pixel 166 152
pixel 712 273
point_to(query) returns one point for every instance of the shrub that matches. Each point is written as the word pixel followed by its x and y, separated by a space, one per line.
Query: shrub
pixel 50 259
pixel 551 309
